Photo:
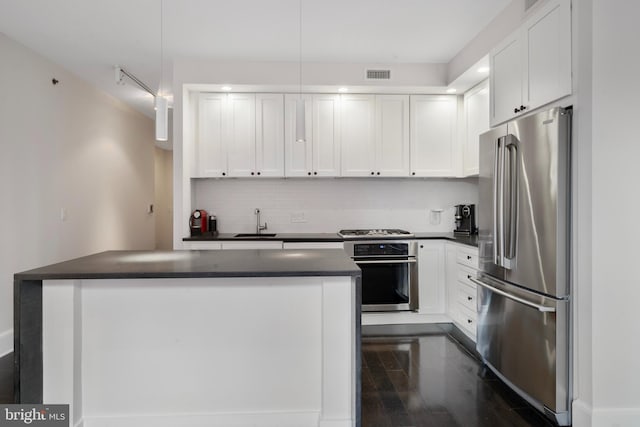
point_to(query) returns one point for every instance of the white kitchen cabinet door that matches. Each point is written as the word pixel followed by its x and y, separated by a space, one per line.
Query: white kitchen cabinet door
pixel 326 135
pixel 433 135
pixel 298 155
pixel 476 111
pixel 357 135
pixel 251 244
pixel 532 66
pixel 548 54
pixel 269 135
pixel 210 153
pixel 431 277
pixel 392 135
pixel 201 245
pixel 506 79
pixel 451 279
pixel 241 134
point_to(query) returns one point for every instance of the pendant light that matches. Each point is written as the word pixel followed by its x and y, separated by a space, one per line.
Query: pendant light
pixel 300 113
pixel 161 103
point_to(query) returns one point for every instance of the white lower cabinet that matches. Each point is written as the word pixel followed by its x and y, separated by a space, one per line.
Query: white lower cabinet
pixel 461 266
pixel 252 244
pixel 431 277
pixel 313 245
pixel 200 245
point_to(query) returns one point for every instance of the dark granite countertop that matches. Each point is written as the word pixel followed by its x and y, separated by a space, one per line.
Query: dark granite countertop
pixel 191 264
pixel 329 237
pixel 286 237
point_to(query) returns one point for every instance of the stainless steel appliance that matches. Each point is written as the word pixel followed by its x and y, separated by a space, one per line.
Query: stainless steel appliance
pixel 523 286
pixel 391 233
pixel 465 217
pixel 389 273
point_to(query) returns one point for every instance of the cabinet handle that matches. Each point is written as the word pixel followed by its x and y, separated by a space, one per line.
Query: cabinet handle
pixel 421 246
pixel 378 173
pixel 516 110
pixel 469 321
pixel 315 173
pixel 468 276
pixel 252 173
pixel 224 174
pixel 258 173
pixel 372 173
pixel 413 173
pixel 468 257
pixel 523 107
pixel 470 299
pixel 309 173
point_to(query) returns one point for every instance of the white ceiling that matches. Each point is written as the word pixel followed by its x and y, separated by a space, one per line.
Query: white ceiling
pixel 89 37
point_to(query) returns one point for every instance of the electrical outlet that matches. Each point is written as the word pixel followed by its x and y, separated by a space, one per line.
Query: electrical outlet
pixel 298 217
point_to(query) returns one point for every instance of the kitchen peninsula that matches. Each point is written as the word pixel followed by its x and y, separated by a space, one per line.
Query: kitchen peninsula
pixel 193 338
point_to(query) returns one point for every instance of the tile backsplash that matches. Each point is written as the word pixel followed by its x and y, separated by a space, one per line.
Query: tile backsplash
pixel 328 205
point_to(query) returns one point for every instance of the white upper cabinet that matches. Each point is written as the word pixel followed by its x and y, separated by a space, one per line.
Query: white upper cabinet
pixel 375 135
pixel 357 135
pixel 210 151
pixel 319 154
pixel 476 111
pixel 433 135
pixel 326 135
pixel 532 66
pixel 269 135
pixel 241 135
pixel 392 135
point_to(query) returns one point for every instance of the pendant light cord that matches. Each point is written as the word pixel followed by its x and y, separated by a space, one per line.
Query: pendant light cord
pixel 161 47
pixel 300 46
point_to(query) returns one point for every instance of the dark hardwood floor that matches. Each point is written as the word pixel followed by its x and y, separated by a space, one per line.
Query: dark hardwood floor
pixel 420 379
pixel 431 380
pixel 6 378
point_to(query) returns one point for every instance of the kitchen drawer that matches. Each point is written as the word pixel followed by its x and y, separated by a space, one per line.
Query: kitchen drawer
pixel 467 320
pixel 193 245
pixel 464 275
pixel 467 296
pixel 468 257
pixel 252 244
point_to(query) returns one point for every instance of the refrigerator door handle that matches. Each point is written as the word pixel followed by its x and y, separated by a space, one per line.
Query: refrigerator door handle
pixel 498 202
pixel 538 307
pixel 511 200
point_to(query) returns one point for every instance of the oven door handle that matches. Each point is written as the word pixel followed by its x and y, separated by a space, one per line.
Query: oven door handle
pixel 390 261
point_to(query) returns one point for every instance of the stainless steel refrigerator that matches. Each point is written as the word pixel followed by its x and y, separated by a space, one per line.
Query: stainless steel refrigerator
pixel 524 233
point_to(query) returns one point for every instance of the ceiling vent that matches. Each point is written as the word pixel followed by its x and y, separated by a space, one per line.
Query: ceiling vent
pixel 528 4
pixel 378 75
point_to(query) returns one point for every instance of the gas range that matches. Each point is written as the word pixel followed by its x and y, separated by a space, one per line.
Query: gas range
pixel 375 234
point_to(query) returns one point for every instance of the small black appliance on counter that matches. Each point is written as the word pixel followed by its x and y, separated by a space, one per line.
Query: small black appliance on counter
pixel 465 217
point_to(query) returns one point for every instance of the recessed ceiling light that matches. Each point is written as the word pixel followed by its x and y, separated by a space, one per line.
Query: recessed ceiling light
pixel 343 89
pixel 483 69
pixel 452 90
pixel 226 88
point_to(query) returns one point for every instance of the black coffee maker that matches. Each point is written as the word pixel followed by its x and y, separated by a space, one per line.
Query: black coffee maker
pixel 465 217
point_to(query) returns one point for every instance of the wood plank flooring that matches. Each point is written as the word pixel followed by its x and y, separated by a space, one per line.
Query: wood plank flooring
pixel 432 380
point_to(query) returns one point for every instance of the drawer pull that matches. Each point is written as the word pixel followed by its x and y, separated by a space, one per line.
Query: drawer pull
pixel 469 276
pixel 470 298
pixel 469 257
pixel 469 321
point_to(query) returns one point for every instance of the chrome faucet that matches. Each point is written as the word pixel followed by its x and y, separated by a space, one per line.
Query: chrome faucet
pixel 259 227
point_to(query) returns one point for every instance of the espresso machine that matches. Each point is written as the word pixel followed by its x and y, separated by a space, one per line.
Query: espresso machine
pixel 465 217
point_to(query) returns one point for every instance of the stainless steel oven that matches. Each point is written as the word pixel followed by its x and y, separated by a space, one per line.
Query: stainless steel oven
pixel 389 273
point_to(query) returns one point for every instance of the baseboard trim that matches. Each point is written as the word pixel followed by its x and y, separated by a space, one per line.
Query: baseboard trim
pixel 582 413
pixel 6 342
pixel 278 419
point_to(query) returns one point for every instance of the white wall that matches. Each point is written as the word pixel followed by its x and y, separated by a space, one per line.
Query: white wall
pixel 329 205
pixel 615 177
pixel 66 146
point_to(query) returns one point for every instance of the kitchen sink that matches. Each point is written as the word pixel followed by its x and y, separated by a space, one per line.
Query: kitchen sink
pixel 254 236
